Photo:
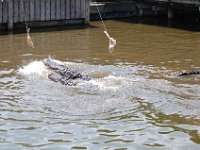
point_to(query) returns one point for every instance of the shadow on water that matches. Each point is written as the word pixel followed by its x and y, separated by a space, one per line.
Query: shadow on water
pixel 22 29
pixel 189 22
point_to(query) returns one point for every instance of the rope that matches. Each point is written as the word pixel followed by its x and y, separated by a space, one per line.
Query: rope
pixel 24 14
pixel 112 41
pixel 101 17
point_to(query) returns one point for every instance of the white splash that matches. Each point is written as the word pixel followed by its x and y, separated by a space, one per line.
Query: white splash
pixel 35 67
pixel 107 83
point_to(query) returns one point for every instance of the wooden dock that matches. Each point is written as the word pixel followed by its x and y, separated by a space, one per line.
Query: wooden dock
pixel 169 6
pixel 187 3
pixel 43 12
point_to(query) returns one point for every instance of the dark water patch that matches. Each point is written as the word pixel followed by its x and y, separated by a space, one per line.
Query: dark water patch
pixel 22 29
pixel 189 22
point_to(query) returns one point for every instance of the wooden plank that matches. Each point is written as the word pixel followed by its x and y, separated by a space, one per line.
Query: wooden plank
pixel 53 9
pixel 32 10
pixel 48 10
pixel 75 6
pixel 62 9
pixel 82 9
pixel 16 11
pixel 1 14
pixel 10 14
pixel 37 10
pixel 67 9
pixel 27 10
pixel 5 11
pixel 78 8
pixel 21 11
pixel 87 11
pixel 72 8
pixel 58 9
pixel 42 10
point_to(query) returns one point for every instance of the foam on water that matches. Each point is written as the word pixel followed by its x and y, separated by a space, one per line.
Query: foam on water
pixel 115 87
pixel 38 69
pixel 35 67
pixel 89 97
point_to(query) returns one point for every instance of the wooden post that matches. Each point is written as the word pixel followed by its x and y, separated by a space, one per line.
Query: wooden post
pixel 67 9
pixel 1 16
pixel 37 10
pixel 82 9
pixel 5 12
pixel 78 8
pixel 21 11
pixel 42 7
pixel 48 10
pixel 87 11
pixel 53 9
pixel 72 11
pixel 16 11
pixel 58 9
pixel 140 10
pixel 32 10
pixel 62 8
pixel 27 10
pixel 170 13
pixel 155 10
pixel 10 14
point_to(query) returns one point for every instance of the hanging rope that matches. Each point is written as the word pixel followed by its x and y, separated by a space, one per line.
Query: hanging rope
pixel 28 38
pixel 112 41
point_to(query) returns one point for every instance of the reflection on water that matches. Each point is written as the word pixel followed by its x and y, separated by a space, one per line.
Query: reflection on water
pixel 135 99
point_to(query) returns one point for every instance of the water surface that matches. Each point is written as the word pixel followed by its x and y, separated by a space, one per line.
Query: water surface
pixel 135 99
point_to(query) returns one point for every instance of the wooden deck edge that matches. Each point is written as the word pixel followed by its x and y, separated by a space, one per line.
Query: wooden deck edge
pixel 46 24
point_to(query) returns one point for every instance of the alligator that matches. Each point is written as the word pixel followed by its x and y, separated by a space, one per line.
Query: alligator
pixel 194 72
pixel 66 76
pixel 63 74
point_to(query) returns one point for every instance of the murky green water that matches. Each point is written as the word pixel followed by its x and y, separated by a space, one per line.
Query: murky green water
pixel 134 101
